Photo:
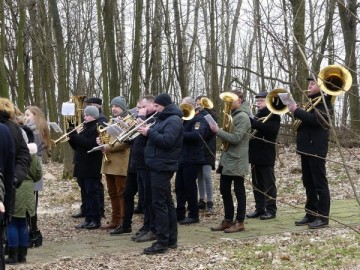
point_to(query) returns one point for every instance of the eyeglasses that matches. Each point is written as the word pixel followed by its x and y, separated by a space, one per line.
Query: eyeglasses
pixel 259 100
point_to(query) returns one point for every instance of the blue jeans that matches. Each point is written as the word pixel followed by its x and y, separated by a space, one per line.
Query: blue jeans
pixel 18 232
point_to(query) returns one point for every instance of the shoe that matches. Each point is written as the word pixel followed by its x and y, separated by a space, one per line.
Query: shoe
pixel 237 227
pixel 156 248
pixel 318 224
pixel 82 225
pixel 255 214
pixel 173 245
pixel 209 209
pixel 78 215
pixel 35 239
pixel 139 233
pixel 120 230
pixel 93 226
pixel 226 223
pixel 108 226
pixel 189 220
pixel 149 236
pixel 22 252
pixel 201 204
pixel 304 221
pixel 267 216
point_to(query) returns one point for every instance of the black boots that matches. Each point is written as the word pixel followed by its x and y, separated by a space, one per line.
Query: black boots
pixel 35 239
pixel 16 254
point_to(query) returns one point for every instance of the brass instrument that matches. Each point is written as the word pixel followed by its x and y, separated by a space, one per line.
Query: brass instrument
pixel 188 110
pixel 227 125
pixel 72 112
pixel 206 103
pixel 64 137
pixel 332 80
pixel 103 136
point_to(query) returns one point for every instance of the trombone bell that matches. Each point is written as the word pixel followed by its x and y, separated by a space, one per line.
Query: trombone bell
pixel 274 103
pixel 334 79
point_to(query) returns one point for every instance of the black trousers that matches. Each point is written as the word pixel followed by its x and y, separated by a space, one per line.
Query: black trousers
pixel 92 190
pixel 149 215
pixel 81 184
pixel 264 187
pixel 131 189
pixel 239 190
pixel 186 191
pixel 316 185
pixel 164 208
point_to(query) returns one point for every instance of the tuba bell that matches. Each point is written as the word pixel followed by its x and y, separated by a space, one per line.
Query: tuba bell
pixel 227 125
pixel 206 103
pixel 274 103
pixel 188 110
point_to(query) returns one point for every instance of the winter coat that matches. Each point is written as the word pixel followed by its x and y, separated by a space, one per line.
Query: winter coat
pixel 22 155
pixel 24 197
pixel 195 130
pixel 262 146
pixel 313 132
pixel 87 165
pixel 7 165
pixel 235 160
pixel 165 139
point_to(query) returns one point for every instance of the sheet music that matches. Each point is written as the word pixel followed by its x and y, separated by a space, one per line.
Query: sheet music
pixel 286 98
pixel 55 127
pixel 210 120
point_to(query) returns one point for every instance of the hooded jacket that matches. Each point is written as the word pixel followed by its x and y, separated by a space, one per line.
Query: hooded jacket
pixel 165 139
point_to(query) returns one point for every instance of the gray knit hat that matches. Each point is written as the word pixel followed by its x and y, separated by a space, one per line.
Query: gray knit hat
pixel 120 102
pixel 92 111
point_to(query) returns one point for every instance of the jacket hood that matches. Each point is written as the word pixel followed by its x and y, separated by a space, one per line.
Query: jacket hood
pixel 245 107
pixel 171 109
pixel 32 148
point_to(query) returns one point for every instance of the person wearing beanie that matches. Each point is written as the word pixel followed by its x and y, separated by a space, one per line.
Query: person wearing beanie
pixel 162 154
pixel 115 166
pixel 97 102
pixel 87 168
pixel 262 155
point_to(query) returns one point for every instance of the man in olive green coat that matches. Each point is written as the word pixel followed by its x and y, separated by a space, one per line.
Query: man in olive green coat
pixel 234 164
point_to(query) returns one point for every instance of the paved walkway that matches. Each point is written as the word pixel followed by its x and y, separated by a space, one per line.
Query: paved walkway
pixel 345 211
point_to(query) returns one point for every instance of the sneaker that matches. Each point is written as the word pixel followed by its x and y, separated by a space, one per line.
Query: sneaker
pixel 156 248
pixel 140 233
pixel 149 236
pixel 318 224
pixel 189 220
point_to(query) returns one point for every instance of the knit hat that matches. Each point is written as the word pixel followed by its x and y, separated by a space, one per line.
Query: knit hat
pixel 92 111
pixel 94 100
pixel 163 99
pixel 120 102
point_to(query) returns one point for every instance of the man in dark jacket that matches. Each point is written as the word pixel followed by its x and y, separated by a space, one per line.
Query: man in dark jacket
pixel 262 154
pixel 162 153
pixel 87 167
pixel 312 145
pixel 191 160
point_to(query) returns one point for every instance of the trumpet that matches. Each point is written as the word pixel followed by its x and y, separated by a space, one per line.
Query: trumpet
pixel 65 137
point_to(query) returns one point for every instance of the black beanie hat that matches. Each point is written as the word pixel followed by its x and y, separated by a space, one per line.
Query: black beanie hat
pixel 163 99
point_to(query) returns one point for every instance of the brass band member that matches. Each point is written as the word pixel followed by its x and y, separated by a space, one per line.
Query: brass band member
pixel 234 163
pixel 115 168
pixel 262 155
pixel 312 145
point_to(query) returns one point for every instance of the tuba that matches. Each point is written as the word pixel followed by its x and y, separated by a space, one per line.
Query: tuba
pixel 188 110
pixel 227 124
pixel 206 103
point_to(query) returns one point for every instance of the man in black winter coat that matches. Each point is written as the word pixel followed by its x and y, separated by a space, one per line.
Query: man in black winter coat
pixel 312 145
pixel 162 153
pixel 262 155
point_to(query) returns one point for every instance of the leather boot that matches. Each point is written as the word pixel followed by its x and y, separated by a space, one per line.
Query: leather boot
pixel 13 256
pixel 22 252
pixel 35 239
pixel 226 223
pixel 237 227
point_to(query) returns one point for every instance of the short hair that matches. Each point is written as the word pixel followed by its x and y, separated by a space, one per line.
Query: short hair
pixel 189 100
pixel 239 93
pixel 199 97
pixel 149 98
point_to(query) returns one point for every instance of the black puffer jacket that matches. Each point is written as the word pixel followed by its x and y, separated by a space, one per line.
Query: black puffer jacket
pixel 165 139
pixel 262 146
pixel 86 164
pixel 313 132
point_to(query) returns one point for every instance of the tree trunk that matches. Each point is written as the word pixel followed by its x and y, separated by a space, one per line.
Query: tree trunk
pixel 4 87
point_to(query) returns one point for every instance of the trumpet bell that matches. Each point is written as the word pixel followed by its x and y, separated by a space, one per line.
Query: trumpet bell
pixel 274 103
pixel 206 103
pixel 334 79
pixel 188 110
pixel 228 97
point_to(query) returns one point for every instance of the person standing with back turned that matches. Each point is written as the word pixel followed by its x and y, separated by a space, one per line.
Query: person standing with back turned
pixel 162 153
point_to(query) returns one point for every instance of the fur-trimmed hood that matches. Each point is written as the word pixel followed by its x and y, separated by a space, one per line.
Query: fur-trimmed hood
pixel 32 148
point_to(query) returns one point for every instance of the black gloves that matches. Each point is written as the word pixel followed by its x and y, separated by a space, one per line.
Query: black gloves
pixel 17 183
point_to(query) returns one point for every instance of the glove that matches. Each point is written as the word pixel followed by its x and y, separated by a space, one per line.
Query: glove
pixel 17 183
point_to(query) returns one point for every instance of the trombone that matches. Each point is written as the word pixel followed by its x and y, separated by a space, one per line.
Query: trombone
pixel 65 137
